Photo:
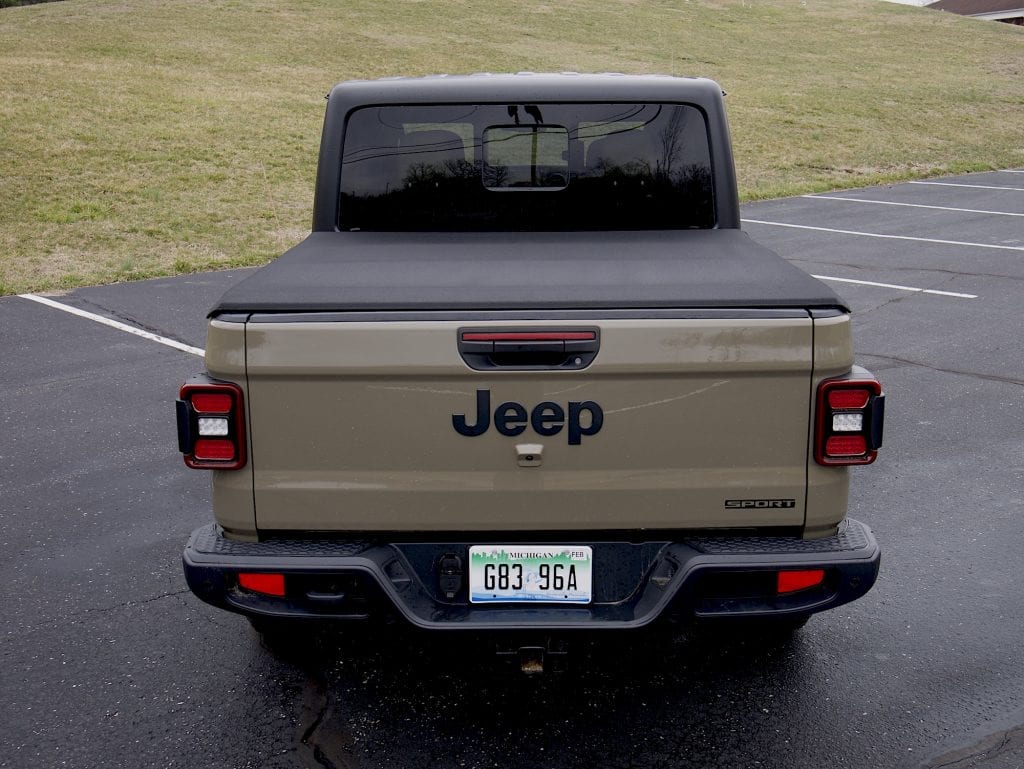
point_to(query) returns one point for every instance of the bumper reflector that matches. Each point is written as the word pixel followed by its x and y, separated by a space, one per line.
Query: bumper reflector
pixel 791 581
pixel 268 584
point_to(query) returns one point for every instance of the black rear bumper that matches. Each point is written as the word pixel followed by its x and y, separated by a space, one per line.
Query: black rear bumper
pixel 635 583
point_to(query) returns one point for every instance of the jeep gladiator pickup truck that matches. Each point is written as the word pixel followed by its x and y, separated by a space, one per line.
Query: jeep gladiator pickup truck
pixel 527 372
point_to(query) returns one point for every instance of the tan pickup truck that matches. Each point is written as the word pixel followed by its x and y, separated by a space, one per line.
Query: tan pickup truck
pixel 527 372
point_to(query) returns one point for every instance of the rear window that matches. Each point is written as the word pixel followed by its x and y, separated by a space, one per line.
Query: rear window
pixel 526 167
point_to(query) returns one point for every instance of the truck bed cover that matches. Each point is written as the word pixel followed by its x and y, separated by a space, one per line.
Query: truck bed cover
pixel 360 271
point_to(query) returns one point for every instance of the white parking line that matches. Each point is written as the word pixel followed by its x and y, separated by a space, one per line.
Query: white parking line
pixel 1011 171
pixel 115 324
pixel 972 186
pixel 910 205
pixel 888 237
pixel 900 288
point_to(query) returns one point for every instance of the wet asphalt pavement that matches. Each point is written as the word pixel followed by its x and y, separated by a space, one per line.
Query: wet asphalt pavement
pixel 108 661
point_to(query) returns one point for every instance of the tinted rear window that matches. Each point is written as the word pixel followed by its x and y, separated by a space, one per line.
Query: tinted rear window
pixel 537 167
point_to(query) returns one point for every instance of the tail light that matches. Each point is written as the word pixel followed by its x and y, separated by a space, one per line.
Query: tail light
pixel 211 425
pixel 851 413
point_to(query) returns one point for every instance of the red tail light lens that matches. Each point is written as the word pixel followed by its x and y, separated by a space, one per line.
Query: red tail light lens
pixel 846 446
pixel 268 584
pixel 848 428
pixel 219 450
pixel 211 425
pixel 212 403
pixel 848 399
pixel 791 581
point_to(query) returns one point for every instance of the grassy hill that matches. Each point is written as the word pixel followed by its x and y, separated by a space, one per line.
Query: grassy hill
pixel 144 137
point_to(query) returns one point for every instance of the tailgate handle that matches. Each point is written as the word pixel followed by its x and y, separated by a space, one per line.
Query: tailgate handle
pixel 529 349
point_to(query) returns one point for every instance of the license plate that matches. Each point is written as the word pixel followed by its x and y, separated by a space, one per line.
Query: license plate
pixel 530 573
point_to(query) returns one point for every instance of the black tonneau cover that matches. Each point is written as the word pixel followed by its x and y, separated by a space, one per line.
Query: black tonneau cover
pixel 363 271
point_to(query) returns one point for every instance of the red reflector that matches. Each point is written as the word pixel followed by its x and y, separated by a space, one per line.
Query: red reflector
pixel 848 399
pixel 268 584
pixel 791 581
pixel 211 448
pixel 526 336
pixel 846 446
pixel 212 403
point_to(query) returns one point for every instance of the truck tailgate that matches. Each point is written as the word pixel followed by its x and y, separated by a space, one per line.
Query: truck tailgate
pixel 703 423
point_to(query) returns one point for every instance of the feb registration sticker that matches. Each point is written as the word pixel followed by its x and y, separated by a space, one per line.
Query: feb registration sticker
pixel 530 573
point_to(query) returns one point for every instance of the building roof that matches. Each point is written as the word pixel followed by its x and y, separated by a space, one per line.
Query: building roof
pixel 977 7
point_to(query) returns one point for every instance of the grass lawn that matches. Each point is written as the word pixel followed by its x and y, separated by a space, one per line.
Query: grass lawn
pixel 147 137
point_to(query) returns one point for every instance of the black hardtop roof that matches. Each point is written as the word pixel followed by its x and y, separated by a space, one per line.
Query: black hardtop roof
pixel 529 86
pixel 524 88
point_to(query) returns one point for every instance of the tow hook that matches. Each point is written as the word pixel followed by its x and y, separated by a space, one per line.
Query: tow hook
pixel 449 570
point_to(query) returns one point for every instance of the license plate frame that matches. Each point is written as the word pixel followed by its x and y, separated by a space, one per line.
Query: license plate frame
pixel 531 574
